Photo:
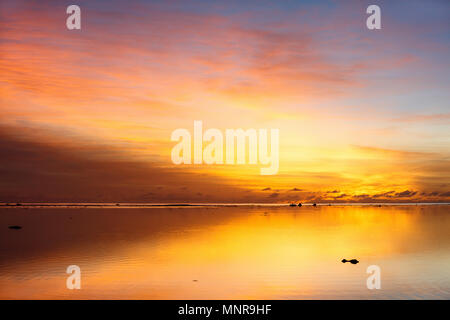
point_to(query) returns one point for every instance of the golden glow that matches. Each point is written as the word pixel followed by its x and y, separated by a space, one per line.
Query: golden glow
pixel 100 91
pixel 234 253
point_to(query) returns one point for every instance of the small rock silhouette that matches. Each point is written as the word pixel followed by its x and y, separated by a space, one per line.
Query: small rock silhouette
pixel 353 261
pixel 15 227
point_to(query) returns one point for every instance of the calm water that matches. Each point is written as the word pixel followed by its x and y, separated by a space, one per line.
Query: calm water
pixel 230 252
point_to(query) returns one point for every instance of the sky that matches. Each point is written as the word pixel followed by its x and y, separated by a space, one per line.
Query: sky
pixel 87 115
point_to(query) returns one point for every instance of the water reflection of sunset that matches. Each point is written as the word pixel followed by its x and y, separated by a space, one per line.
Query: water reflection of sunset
pixel 235 253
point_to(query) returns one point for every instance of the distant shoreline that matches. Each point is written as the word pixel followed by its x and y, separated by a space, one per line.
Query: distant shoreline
pixel 159 205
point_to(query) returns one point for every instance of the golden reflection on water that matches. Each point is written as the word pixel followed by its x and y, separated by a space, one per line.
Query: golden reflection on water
pixel 226 253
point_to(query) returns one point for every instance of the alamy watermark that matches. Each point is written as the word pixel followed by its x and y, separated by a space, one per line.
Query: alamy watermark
pixel 374 280
pixel 373 22
pixel 74 280
pixel 73 22
pixel 235 147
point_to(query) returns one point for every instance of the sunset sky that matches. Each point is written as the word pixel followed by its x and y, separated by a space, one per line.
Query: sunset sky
pixel 87 115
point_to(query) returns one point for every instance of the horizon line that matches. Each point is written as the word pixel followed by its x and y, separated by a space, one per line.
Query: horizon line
pixel 178 204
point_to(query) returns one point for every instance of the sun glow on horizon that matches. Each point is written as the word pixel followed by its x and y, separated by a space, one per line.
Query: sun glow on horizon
pixel 363 116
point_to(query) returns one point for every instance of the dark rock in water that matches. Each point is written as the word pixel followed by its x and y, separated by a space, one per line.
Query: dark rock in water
pixel 195 280
pixel 299 204
pixel 352 261
pixel 117 204
pixel 18 204
pixel 15 227
pixel 314 204
pixel 292 205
